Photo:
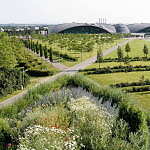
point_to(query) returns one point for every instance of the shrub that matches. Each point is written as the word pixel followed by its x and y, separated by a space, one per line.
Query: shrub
pixel 133 116
pixel 115 69
pixel 39 73
pixel 5 133
pixel 11 80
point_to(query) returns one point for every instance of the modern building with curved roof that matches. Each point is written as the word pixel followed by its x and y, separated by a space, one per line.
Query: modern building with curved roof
pixel 139 28
pixel 81 28
pixel 99 28
pixel 122 28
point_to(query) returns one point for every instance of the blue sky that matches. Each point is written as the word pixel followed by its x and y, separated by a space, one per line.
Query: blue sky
pixel 60 11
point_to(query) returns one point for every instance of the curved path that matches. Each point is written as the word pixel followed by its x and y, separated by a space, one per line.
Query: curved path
pixel 68 71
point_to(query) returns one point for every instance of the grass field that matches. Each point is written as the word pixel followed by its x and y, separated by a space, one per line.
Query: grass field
pixel 142 99
pixel 136 49
pixel 75 54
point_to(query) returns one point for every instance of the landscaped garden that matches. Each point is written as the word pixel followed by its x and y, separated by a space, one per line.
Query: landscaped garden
pixel 71 49
pixel 129 71
pixel 73 113
pixel 18 65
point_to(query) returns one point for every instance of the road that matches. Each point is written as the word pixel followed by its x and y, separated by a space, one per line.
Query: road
pixel 67 71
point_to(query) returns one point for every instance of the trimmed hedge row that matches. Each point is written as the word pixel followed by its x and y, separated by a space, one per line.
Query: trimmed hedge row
pixel 139 89
pixel 130 59
pixel 116 69
pixel 140 83
pixel 39 73
pixel 39 48
pixel 11 80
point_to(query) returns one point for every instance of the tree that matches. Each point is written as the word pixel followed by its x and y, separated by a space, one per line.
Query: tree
pixel 89 46
pixel 7 57
pixel 145 50
pixel 50 55
pixel 41 52
pixel 99 56
pixel 127 49
pixel 37 47
pixel 45 52
pixel 119 53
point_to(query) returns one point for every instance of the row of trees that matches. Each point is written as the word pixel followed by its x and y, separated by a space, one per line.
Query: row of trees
pixel 120 53
pixel 37 48
pixel 78 43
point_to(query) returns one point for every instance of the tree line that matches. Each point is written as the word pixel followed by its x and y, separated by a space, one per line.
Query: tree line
pixel 38 48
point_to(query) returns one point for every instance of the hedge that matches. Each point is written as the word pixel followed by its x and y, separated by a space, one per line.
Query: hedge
pixel 11 80
pixel 130 59
pixel 39 73
pixel 136 119
pixel 116 69
pixel 116 96
pixel 140 83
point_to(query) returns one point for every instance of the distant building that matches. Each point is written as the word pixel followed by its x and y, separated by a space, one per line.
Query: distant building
pixel 99 28
pixel 81 28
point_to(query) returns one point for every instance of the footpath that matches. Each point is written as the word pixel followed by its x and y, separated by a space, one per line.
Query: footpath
pixel 65 71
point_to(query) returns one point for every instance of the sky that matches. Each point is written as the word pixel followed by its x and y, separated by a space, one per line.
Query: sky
pixel 66 11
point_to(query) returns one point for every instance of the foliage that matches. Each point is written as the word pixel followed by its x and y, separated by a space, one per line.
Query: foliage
pixel 115 69
pixel 104 94
pixel 120 54
pixel 127 49
pixel 7 56
pixel 140 83
pixel 11 80
pixel 145 50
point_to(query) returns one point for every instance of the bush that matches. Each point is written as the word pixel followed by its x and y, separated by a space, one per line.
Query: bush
pixel 139 89
pixel 115 69
pixel 11 80
pixel 130 59
pixel 5 133
pixel 140 83
pixel 135 118
pixel 39 73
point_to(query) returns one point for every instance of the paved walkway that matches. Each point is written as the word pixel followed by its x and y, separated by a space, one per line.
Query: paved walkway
pixel 55 64
pixel 68 71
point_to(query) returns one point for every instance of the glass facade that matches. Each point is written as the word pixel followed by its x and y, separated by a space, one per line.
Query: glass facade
pixel 85 30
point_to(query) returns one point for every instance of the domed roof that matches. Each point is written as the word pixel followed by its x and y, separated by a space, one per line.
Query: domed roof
pixel 135 28
pixel 61 27
pixel 122 28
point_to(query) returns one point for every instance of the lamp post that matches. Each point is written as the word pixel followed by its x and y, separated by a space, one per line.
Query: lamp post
pixel 23 77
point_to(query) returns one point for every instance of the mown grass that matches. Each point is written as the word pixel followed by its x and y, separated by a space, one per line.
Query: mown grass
pixel 114 78
pixel 142 98
pixel 112 64
pixel 137 46
pixel 76 54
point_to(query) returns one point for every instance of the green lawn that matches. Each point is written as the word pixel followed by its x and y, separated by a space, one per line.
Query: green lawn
pixel 136 49
pixel 76 54
pixel 114 78
pixel 112 64
pixel 142 99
